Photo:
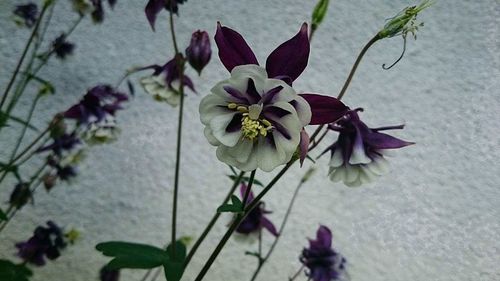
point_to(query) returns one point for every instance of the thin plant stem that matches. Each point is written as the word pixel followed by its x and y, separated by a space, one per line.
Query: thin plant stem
pixel 23 55
pixel 248 190
pixel 180 65
pixel 296 274
pixel 264 259
pixel 238 220
pixel 356 64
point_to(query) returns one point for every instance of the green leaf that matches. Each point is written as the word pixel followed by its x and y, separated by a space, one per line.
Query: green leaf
pixel 13 272
pixel 319 13
pixel 174 266
pixel 3 216
pixel 132 255
pixel 235 207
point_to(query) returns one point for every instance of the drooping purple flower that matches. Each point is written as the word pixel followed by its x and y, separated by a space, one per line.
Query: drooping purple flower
pixel 256 219
pixel 357 156
pixel 106 274
pixel 26 14
pixel 322 261
pixel 99 103
pixel 154 7
pixel 199 52
pixel 21 195
pixel 98 9
pixel 61 47
pixel 60 144
pixel 46 242
pixel 164 83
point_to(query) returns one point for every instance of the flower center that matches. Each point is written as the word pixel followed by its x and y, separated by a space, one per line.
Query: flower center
pixel 251 125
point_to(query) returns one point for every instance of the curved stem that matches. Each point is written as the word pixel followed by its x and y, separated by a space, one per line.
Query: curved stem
pixel 23 56
pixel 356 64
pixel 238 220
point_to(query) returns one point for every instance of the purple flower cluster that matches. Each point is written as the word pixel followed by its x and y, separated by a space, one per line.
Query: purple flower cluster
pixel 46 242
pixel 61 47
pixel 322 261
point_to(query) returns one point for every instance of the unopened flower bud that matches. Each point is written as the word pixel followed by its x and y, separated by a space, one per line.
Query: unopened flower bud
pixel 199 52
pixel 20 195
pixel 49 181
pixel 404 22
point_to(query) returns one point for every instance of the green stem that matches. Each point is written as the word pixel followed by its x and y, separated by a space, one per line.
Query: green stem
pixel 180 65
pixel 23 56
pixel 238 220
pixel 356 64
pixel 248 190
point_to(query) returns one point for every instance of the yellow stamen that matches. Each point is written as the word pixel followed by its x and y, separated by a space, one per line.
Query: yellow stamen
pixel 232 106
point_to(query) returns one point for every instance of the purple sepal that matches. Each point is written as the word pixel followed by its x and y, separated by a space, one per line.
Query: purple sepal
pixel 233 50
pixel 290 59
pixel 152 9
pixel 256 219
pixel 325 109
pixel 384 141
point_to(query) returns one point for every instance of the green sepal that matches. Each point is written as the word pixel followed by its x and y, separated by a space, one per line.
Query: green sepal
pixel 236 206
pixel 319 13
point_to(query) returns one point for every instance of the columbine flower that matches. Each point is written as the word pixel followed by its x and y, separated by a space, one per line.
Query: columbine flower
pixel 255 117
pixel 154 7
pixel 26 14
pixel 163 84
pixel 256 219
pixel 109 274
pixel 100 103
pixel 45 242
pixel 199 52
pixel 357 156
pixel 322 261
pixel 61 47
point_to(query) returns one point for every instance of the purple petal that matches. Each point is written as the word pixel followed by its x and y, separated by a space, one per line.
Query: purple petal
pixel 384 141
pixel 267 224
pixel 235 124
pixel 290 58
pixel 268 97
pixel 188 83
pixel 324 236
pixel 303 146
pixel 235 93
pixel 152 9
pixel 243 190
pixel 324 109
pixel 233 50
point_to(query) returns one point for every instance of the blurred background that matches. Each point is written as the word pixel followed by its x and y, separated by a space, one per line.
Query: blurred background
pixel 435 217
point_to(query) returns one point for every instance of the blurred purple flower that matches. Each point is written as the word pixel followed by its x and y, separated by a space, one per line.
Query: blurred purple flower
pixel 357 156
pixel 46 242
pixel 61 47
pixel 199 52
pixel 322 261
pixel 163 84
pixel 154 7
pixel 109 274
pixel 60 144
pixel 26 14
pixel 99 103
pixel 98 12
pixel 256 219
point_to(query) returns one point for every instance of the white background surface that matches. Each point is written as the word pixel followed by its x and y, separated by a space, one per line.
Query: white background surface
pixel 435 217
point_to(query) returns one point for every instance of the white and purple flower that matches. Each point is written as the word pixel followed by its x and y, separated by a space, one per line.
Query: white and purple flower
pixel 357 157
pixel 164 83
pixel 322 261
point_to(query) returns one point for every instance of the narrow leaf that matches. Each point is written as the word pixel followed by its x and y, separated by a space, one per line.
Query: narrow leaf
pixel 132 255
pixel 174 266
pixel 3 216
pixel 13 272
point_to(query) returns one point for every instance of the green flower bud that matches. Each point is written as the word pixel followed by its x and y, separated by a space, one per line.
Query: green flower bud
pixel 405 21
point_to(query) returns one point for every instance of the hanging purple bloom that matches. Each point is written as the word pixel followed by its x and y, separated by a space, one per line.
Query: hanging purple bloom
pixel 357 156
pixel 46 242
pixel 322 261
pixel 21 195
pixel 163 84
pixel 199 52
pixel 255 118
pixel 109 274
pixel 154 7
pixel 98 9
pixel 26 14
pixel 256 219
pixel 99 103
pixel 61 47
pixel 60 144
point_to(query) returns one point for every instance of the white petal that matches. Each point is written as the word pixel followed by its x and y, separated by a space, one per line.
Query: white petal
pixel 211 106
pixel 337 159
pixel 210 137
pixel 218 124
pixel 303 110
pixel 337 174
pixel 358 155
pixel 379 166
pixel 352 173
pixel 269 157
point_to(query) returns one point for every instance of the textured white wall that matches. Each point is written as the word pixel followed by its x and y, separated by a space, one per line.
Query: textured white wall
pixel 434 218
